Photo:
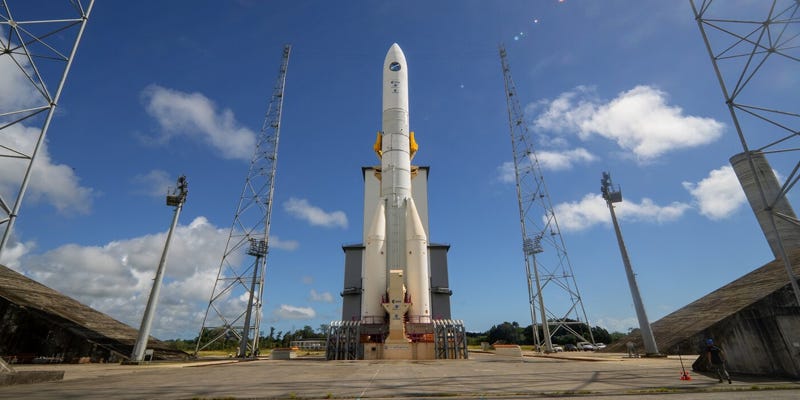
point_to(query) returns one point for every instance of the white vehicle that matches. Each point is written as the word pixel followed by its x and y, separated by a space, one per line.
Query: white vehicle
pixel 599 346
pixel 586 346
pixel 557 348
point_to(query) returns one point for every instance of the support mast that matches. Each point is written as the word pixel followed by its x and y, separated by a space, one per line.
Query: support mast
pixel 27 50
pixel 249 233
pixel 547 267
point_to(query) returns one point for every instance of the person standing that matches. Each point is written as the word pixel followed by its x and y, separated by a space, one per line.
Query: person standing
pixel 716 357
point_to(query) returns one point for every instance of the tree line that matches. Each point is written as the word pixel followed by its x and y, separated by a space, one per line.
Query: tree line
pixel 506 332
pixel 513 333
pixel 268 341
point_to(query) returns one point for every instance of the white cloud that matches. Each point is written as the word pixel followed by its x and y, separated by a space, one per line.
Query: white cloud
pixel 52 183
pixel 154 183
pixel 622 325
pixel 555 160
pixel 14 251
pixel 286 311
pixel 592 210
pixel 55 184
pixel 648 211
pixel 302 209
pixel 196 116
pixel 277 243
pixel 116 278
pixel 719 195
pixel 576 216
pixel 506 173
pixel 638 120
pixel 18 93
pixel 324 297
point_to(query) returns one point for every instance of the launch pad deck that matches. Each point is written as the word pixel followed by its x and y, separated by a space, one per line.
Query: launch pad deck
pixel 483 375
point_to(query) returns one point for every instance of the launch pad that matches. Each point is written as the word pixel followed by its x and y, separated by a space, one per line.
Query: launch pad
pixel 396 297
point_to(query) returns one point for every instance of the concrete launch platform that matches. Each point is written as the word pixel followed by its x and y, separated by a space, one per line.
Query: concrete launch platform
pixel 482 376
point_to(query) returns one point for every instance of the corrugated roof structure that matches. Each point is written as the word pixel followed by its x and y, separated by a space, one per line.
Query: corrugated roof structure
pixel 47 306
pixel 756 317
pixel 716 306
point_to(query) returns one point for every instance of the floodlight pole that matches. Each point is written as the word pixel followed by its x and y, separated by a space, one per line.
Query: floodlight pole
pixel 615 196
pixel 176 199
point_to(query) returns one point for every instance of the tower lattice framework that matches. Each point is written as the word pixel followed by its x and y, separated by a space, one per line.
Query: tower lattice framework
pixel 756 60
pixel 552 290
pixel 239 276
pixel 37 45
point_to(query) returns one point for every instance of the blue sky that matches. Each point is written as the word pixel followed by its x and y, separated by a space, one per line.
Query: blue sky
pixel 160 89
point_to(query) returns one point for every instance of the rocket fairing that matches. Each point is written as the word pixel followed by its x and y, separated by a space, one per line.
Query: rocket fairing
pixel 396 237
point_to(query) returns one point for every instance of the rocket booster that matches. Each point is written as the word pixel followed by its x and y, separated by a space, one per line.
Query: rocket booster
pixel 396 238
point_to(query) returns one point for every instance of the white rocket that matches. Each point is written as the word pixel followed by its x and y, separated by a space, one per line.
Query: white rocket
pixel 396 238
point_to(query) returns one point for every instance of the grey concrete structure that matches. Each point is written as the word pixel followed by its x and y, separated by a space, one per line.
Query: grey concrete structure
pixel 755 319
pixel 777 204
pixel 483 376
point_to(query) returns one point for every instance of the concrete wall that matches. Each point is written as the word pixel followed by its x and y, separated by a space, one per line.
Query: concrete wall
pixel 762 339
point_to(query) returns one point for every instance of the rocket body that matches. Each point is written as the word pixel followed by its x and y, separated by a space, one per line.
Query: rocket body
pixel 403 243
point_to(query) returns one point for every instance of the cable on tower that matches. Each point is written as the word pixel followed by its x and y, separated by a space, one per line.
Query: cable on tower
pixel 225 321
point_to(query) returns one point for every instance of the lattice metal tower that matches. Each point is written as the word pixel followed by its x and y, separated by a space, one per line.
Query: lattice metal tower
pixel 226 318
pixel 551 283
pixel 37 45
pixel 756 63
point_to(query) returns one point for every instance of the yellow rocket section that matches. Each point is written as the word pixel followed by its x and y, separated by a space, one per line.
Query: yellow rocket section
pixel 412 145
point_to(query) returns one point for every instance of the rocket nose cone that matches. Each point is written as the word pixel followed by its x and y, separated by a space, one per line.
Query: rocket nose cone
pixel 394 56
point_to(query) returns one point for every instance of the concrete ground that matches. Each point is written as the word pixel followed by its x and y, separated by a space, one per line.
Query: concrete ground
pixel 483 376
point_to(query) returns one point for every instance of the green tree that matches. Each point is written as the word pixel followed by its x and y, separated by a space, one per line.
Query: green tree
pixel 504 333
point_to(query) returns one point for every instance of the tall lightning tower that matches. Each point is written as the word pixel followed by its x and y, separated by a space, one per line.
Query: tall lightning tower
pixel 37 45
pixel 552 290
pixel 244 262
pixel 756 58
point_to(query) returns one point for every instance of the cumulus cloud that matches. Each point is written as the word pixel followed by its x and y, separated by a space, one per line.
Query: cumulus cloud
pixel 277 243
pixel 286 311
pixel 592 210
pixel 14 251
pixel 506 173
pixel 196 116
pixel 638 120
pixel 50 182
pixel 18 93
pixel 612 324
pixel 154 183
pixel 719 195
pixel 324 297
pixel 563 160
pixel 316 216
pixel 116 278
